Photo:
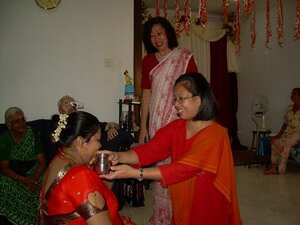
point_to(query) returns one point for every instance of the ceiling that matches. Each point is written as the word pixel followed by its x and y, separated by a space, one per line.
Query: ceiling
pixel 213 6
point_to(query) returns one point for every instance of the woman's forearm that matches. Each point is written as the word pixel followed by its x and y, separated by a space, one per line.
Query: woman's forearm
pixel 39 170
pixel 41 166
pixel 145 108
pixel 284 125
pixel 128 157
pixel 151 173
pixel 13 175
pixel 143 135
pixel 6 171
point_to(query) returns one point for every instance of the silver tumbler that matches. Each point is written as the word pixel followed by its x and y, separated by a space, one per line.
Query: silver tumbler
pixel 103 164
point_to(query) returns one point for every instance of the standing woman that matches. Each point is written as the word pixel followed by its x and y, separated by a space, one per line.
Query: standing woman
pixel 22 163
pixel 288 136
pixel 201 175
pixel 162 65
pixel 72 192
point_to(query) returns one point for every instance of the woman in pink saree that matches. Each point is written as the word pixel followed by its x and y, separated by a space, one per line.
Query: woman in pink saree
pixel 162 65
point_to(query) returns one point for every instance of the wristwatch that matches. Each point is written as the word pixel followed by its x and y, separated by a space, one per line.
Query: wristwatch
pixel 141 177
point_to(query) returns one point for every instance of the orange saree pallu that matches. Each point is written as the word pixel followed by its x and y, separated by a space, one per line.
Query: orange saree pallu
pixel 211 153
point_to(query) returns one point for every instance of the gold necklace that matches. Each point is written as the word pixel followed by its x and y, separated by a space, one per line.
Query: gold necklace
pixel 69 157
pixel 160 56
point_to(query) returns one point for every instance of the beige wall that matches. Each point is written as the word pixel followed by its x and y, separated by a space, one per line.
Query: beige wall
pixel 47 54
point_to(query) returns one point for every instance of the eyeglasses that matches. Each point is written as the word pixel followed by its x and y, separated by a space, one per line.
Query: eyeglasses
pixel 180 100
pixel 20 120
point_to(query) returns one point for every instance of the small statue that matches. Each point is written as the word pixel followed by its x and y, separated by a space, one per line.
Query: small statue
pixel 129 88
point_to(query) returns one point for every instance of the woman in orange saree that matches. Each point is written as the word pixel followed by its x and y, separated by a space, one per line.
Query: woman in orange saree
pixel 201 175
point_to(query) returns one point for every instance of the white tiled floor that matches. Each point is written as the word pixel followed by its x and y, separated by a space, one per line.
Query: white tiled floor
pixel 263 199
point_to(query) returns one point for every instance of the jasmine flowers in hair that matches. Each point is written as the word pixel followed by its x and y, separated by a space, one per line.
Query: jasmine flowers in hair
pixel 61 125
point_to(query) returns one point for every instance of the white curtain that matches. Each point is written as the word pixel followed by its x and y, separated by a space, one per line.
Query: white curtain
pixel 198 42
pixel 200 49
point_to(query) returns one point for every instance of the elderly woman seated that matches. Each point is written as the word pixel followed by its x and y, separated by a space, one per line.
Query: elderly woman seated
pixel 67 105
pixel 112 137
pixel 22 163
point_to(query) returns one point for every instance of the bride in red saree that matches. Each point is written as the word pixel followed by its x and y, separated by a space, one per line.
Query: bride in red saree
pixel 72 192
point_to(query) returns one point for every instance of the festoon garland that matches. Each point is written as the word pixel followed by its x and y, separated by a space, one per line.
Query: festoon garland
pixel 297 23
pixel 238 28
pixel 279 23
pixel 249 10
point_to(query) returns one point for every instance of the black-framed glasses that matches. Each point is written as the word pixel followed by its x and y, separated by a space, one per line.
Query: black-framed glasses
pixel 20 120
pixel 180 100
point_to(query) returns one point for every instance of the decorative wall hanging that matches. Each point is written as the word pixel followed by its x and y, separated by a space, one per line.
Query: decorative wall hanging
pixel 183 22
pixel 145 14
pixel 177 18
pixel 279 23
pixel 166 8
pixel 249 11
pixel 297 23
pixel 157 7
pixel 225 11
pixel 187 10
pixel 202 14
pixel 268 25
pixel 238 28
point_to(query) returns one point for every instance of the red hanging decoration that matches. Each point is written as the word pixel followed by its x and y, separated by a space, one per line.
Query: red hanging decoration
pixel 279 23
pixel 251 9
pixel 268 25
pixel 157 7
pixel 177 18
pixel 297 23
pixel 225 10
pixel 203 15
pixel 187 10
pixel 238 28
pixel 166 8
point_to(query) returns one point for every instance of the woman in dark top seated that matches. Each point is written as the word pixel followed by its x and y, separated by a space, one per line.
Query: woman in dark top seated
pixel 22 163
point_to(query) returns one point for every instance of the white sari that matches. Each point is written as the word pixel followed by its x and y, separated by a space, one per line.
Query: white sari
pixel 163 77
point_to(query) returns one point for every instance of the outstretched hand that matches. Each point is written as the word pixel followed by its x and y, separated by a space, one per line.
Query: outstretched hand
pixel 121 171
pixel 113 156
